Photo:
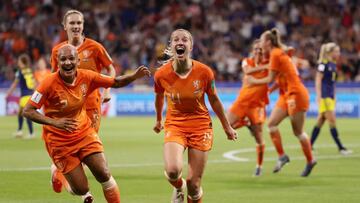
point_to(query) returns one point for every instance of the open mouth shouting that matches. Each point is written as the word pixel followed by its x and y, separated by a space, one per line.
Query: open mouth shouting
pixel 68 69
pixel 180 51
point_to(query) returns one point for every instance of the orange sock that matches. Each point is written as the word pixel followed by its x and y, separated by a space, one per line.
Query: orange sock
pixel 276 139
pixel 306 147
pixel 260 149
pixel 111 191
pixel 177 183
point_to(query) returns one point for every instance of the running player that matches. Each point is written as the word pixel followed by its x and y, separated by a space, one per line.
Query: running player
pixel 94 57
pixel 295 100
pixel 69 138
pixel 249 107
pixel 184 82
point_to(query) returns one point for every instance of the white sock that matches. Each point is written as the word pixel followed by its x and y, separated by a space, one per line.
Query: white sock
pixel 88 194
pixel 109 184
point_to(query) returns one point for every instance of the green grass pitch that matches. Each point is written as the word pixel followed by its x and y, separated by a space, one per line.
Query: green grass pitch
pixel 134 153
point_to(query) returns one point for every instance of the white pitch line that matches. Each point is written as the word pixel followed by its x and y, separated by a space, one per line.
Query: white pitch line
pixel 230 157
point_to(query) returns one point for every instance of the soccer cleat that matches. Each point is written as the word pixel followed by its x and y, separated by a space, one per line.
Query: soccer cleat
pixel 18 134
pixel 282 161
pixel 89 199
pixel 308 169
pixel 345 151
pixel 30 137
pixel 178 195
pixel 258 172
pixel 56 179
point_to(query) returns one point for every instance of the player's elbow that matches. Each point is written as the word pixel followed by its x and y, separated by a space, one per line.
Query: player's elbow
pixel 27 112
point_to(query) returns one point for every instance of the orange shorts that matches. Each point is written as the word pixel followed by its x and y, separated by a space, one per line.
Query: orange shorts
pixel 294 103
pixel 95 117
pixel 201 140
pixel 256 115
pixel 68 157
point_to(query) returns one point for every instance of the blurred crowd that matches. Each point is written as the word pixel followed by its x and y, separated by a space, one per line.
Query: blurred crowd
pixel 137 31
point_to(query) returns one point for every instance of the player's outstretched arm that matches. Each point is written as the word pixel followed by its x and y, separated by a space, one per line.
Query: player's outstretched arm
pixel 124 80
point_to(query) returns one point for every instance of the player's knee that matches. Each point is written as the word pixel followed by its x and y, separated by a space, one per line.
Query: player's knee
pixel 172 174
pixel 302 136
pixel 272 128
pixel 102 175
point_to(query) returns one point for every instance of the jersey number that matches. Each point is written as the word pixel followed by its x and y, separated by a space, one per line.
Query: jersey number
pixel 175 98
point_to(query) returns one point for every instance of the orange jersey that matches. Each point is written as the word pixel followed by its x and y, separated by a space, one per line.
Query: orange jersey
pixel 281 81
pixel 93 56
pixel 186 107
pixel 281 63
pixel 256 95
pixel 64 100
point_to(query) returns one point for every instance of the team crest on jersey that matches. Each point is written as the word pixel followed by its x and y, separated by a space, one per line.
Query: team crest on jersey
pixel 86 54
pixel 196 84
pixel 83 88
pixel 197 87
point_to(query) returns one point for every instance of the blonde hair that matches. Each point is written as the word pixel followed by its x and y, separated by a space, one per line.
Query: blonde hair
pixel 274 36
pixel 25 59
pixel 325 50
pixel 69 12
pixel 168 51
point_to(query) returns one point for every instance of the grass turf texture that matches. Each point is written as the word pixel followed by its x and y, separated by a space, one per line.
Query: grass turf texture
pixel 134 153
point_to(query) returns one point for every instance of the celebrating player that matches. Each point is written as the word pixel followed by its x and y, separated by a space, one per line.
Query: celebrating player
pixel 69 138
pixel 184 82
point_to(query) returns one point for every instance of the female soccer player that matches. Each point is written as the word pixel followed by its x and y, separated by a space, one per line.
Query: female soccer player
pixel 25 78
pixel 325 93
pixel 184 82
pixel 69 138
pixel 249 107
pixel 93 56
pixel 295 99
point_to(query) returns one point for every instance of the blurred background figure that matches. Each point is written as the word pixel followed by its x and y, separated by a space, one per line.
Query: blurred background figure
pixel 41 71
pixel 131 31
pixel 325 93
pixel 25 78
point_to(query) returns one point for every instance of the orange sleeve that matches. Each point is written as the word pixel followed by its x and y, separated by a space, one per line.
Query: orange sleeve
pixel 157 85
pixel 275 60
pixel 40 94
pixel 210 82
pixel 103 56
pixel 53 59
pixel 99 80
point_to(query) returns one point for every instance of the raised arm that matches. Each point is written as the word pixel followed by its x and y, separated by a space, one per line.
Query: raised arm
pixel 219 110
pixel 124 80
